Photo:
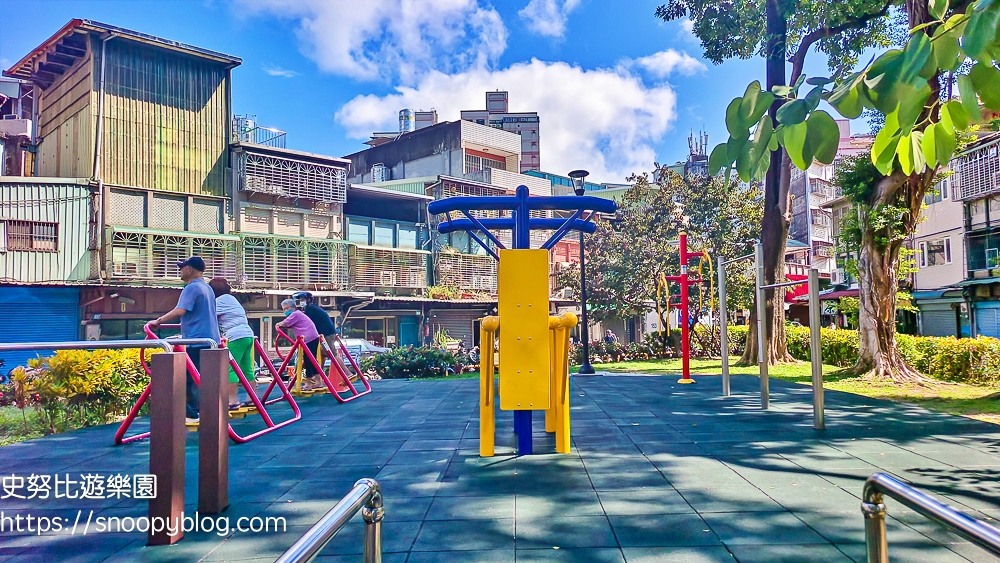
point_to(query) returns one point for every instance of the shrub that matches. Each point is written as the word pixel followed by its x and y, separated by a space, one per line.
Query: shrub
pixel 407 362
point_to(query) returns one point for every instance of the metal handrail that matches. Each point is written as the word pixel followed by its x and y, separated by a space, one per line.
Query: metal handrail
pixel 873 509
pixel 161 343
pixel 366 496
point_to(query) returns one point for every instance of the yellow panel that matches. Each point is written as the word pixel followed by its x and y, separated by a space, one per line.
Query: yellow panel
pixel 523 289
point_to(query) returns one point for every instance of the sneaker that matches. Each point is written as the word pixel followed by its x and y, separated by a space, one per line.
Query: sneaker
pixel 192 421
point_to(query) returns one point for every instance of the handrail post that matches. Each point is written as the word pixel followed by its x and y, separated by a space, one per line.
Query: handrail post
pixel 723 327
pixel 167 437
pixel 816 350
pixel 875 538
pixel 372 513
pixel 762 340
pixel 213 432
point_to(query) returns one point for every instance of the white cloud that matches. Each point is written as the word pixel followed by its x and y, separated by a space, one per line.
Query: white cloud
pixel 392 39
pixel 605 120
pixel 548 17
pixel 687 30
pixel 664 63
pixel 275 70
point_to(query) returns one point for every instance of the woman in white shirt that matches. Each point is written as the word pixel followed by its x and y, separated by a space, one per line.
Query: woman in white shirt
pixel 238 334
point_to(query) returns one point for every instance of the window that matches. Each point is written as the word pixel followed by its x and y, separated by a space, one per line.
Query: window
pixel 938 193
pixel 460 240
pixel 407 237
pixel 359 231
pixel 385 234
pixel 33 236
pixel 474 163
pixel 935 252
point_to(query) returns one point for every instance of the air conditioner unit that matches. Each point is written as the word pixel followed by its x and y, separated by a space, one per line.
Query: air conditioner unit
pixel 566 293
pixel 126 269
pixel 387 277
pixel 326 301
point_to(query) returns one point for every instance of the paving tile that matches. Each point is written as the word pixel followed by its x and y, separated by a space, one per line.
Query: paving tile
pixel 574 555
pixel 677 554
pixel 646 501
pixel 573 531
pixel 465 535
pixel 471 508
pixel 663 530
pixel 819 553
pixel 761 528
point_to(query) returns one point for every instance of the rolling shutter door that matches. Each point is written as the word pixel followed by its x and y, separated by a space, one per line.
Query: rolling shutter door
pixel 937 320
pixel 457 323
pixel 37 314
pixel 987 320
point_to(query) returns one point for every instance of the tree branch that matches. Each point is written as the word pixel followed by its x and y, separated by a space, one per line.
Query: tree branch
pixel 798 59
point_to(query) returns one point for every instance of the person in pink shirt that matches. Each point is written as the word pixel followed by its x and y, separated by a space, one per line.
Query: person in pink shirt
pixel 299 324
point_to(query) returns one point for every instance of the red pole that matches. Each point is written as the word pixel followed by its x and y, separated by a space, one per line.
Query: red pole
pixel 685 323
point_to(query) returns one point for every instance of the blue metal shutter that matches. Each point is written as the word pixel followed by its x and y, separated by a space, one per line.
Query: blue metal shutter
pixel 37 314
pixel 988 319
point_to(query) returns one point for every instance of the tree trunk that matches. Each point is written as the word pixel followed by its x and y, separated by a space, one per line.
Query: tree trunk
pixel 775 223
pixel 878 354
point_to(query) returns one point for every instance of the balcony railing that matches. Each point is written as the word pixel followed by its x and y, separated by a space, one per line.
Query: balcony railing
pixel 246 130
pixel 979 173
pixel 148 254
pixel 293 262
pixel 470 272
pixel 984 251
pixel 389 268
pixel 291 178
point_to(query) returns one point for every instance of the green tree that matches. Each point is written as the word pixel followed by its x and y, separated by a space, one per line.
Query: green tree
pixel 626 256
pixel 948 45
pixel 782 32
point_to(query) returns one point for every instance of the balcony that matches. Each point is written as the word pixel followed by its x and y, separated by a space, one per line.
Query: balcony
pixel 979 173
pixel 246 130
pixel 293 262
pixel 260 171
pixel 136 253
pixel 469 272
pixel 389 267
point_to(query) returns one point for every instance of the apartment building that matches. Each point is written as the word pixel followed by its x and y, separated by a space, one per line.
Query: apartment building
pixel 525 124
pixel 394 180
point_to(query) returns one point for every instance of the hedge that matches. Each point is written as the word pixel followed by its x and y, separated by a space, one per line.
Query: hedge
pixel 965 360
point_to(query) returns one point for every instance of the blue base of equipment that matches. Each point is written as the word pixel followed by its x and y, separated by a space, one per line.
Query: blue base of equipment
pixel 522 427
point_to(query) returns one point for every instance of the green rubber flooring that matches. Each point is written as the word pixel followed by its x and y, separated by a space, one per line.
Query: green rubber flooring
pixel 658 472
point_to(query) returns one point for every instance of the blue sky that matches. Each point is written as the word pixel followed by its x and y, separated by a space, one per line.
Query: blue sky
pixel 615 88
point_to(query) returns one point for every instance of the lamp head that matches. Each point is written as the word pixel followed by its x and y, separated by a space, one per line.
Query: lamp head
pixel 578 177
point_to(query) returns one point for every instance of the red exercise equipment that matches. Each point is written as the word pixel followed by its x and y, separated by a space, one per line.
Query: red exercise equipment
pixel 343 379
pixel 259 403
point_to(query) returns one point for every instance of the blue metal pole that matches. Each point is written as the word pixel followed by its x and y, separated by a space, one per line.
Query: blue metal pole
pixel 522 240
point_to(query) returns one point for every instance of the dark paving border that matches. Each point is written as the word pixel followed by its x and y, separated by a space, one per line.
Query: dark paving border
pixel 658 472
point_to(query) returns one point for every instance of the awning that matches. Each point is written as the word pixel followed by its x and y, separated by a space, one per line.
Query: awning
pixel 831 296
pixel 977 281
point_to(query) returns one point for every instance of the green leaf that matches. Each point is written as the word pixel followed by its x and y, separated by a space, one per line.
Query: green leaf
pixel 744 166
pixel 884 150
pixel 748 101
pixel 937 8
pixel 847 101
pixel 912 99
pixel 986 79
pixel 819 81
pixel 773 144
pixel 823 136
pixel 959 117
pixel 761 140
pixel 734 146
pixel 813 98
pixel 733 121
pixel 755 104
pixel 792 113
pixel 905 154
pixel 763 164
pixel 944 144
pixel 968 96
pixel 980 31
pixel 928 145
pixel 717 159
pixel 946 49
pixel 915 55
pixel 782 91
pixel 882 79
pixel 916 151
pixel 797 145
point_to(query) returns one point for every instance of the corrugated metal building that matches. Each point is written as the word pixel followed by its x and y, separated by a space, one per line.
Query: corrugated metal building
pixel 45 230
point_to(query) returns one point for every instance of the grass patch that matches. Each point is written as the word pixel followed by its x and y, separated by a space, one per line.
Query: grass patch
pixel 980 402
pixel 14 428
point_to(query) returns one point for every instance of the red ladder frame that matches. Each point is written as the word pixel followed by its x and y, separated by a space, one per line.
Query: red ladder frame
pixel 299 343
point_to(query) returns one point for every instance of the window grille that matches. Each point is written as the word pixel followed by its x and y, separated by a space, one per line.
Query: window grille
pixel 142 255
pixel 978 173
pixel 169 212
pixel 291 178
pixel 474 163
pixel 376 267
pixel 467 271
pixel 983 251
pixel 278 261
pixel 127 208
pixel 33 236
pixel 206 216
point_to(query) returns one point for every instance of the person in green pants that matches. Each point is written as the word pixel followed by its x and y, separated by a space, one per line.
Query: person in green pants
pixel 239 336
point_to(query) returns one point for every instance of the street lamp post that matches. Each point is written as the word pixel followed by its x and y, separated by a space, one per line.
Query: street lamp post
pixel 579 177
